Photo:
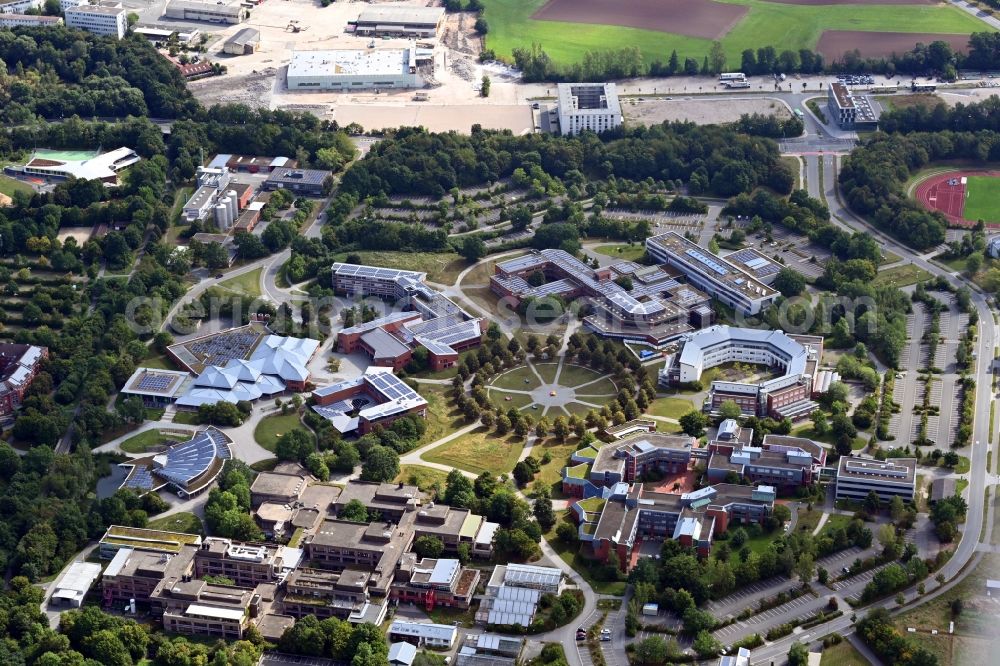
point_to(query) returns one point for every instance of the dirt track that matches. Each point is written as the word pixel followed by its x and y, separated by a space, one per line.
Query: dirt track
pixel 693 18
pixel 700 111
pixel 833 44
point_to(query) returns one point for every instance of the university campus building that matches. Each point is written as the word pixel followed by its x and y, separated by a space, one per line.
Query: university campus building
pixel 794 358
pixel 656 309
pixel 377 397
pixel 895 477
pixel 783 462
pixel 428 318
pixel 19 364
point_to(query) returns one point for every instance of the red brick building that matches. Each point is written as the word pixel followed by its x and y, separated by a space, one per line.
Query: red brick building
pixel 18 366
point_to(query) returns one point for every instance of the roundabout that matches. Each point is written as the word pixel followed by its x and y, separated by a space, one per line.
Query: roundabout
pixel 552 389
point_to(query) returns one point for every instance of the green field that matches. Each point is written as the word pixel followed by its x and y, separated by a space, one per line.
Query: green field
pixel 982 199
pixel 622 252
pixel 270 429
pixel 902 276
pixel 178 522
pixel 766 24
pixel 10 185
pixel 147 440
pixel 247 283
pixel 842 654
pixel 477 452
pixel 518 379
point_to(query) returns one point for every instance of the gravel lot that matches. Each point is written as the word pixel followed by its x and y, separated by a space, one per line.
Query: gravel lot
pixel 701 111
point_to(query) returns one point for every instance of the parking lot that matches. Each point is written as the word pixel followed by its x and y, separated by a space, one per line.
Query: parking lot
pixel 749 596
pixel 280 659
pixel 759 623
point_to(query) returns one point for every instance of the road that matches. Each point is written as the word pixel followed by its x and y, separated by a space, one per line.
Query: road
pixel 966 552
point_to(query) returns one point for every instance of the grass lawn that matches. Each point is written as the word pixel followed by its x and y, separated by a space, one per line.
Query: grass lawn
pixel 578 408
pixel 421 477
pixel 547 371
pixel 623 252
pixel 187 418
pixel 604 388
pixel 551 473
pixel 508 400
pixel 765 24
pixel 961 485
pixel 755 544
pixel 178 522
pixel 833 521
pixel 146 440
pixel 441 267
pixel 518 379
pixel 842 654
pixel 575 375
pixel 586 568
pixel 265 465
pixel 808 432
pixel 479 451
pixel 247 283
pixel 954 263
pixel 671 408
pixel 442 417
pixel 159 362
pixel 271 428
pixel 902 276
pixel 982 200
pixel 807 520
pixel 10 185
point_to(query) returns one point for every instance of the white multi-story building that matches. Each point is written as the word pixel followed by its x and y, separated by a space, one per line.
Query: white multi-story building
pixel 30 20
pixel 588 106
pixel 896 477
pixel 107 20
pixel 714 275
pixel 354 69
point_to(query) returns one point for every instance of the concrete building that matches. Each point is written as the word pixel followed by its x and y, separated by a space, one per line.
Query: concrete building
pixel 212 186
pixel 212 12
pixel 19 363
pixel 392 21
pixel 157 388
pixel 850 111
pixel 391 500
pixel 630 515
pixel 109 20
pixel 377 397
pixel 159 33
pixel 741 658
pixel 895 477
pixel 423 634
pixel 311 182
pixel 343 595
pixel 625 461
pixel 28 20
pixel 246 564
pixel 243 42
pixel 712 274
pixel 22 6
pixel 793 358
pixel 657 308
pixel 73 586
pixel 378 69
pixel 588 106
pixel 133 574
pixel 427 318
pixel 434 582
pixel 281 487
pixel 141 539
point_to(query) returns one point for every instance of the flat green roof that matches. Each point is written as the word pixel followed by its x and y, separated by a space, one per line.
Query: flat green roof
pixel 578 471
pixel 66 155
pixel 587 452
pixel 592 504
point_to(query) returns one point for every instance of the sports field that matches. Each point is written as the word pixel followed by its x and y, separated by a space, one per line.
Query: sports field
pixel 963 197
pixel 983 199
pixel 567 29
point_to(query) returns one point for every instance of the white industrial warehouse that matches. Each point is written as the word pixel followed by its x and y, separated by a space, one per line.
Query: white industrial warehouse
pixel 354 69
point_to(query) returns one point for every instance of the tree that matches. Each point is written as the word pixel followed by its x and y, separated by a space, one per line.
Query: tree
pixel 706 645
pixel 567 533
pixel 716 58
pixel 694 423
pixel 820 424
pixel 798 654
pixel 354 511
pixel 473 249
pixel 484 87
pixel 428 546
pixel 696 621
pixel 652 650
pixel 544 514
pixel 871 502
pixel 382 464
pixel 789 282
pixel 805 567
pixel 296 444
pixel 730 410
